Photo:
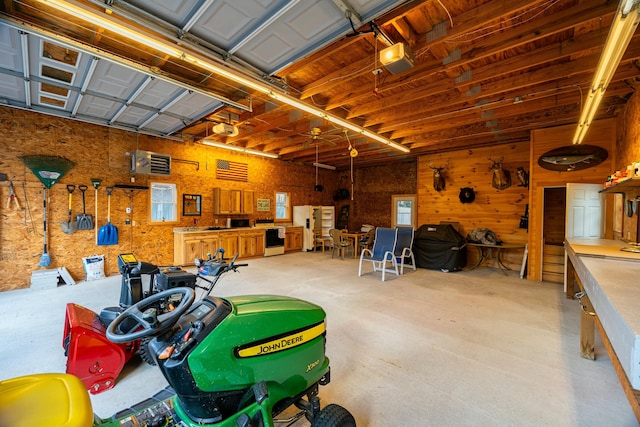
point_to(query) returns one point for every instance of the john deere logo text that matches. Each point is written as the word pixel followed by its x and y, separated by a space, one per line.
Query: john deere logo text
pixel 283 343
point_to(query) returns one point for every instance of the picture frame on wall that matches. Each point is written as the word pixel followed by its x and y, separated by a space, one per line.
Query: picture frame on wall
pixel 263 205
pixel 191 205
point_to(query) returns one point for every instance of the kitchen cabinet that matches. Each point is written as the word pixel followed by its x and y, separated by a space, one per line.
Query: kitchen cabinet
pixel 248 201
pixel 227 201
pixel 251 243
pixel 228 240
pixel 188 247
pixel 293 239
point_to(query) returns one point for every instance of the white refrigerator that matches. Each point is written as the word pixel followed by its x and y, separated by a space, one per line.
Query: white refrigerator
pixel 310 217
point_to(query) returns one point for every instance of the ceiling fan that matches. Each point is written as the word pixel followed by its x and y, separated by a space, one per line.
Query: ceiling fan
pixel 316 137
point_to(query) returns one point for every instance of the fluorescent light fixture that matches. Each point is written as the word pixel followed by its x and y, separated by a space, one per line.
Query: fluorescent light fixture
pixel 622 29
pixel 221 70
pixel 323 166
pixel 124 31
pixel 216 144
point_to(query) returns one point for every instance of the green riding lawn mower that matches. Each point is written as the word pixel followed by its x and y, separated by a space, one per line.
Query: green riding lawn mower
pixel 235 361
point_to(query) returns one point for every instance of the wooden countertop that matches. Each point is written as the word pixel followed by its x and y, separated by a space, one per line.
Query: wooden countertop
pixel 603 248
pixel 192 230
pixel 610 279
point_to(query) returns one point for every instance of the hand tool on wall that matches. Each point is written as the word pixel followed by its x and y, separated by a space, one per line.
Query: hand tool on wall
pixel 70 227
pixel 27 210
pixel 108 234
pixel 45 258
pixel 96 184
pixel 84 220
pixel 49 170
pixel 12 195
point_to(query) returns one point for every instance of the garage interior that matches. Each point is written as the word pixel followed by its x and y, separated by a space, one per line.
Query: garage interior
pixel 430 349
pixel 299 94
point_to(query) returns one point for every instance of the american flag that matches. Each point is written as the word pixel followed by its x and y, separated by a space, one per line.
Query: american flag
pixel 232 170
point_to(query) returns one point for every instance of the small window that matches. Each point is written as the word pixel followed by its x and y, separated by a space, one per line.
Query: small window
pixel 164 202
pixel 282 206
pixel 404 210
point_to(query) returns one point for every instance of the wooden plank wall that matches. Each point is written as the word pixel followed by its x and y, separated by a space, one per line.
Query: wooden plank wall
pixel 627 153
pixel 601 134
pixel 99 152
pixel 498 210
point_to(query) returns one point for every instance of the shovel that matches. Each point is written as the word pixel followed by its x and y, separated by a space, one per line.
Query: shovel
pixel 84 220
pixel 70 227
pixel 108 234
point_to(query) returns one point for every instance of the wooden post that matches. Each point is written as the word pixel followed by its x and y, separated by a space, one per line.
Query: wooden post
pixel 587 329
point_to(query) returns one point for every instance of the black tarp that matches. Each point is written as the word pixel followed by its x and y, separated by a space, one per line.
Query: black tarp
pixel 439 247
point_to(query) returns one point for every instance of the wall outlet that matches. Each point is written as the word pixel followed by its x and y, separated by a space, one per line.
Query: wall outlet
pixel 128 210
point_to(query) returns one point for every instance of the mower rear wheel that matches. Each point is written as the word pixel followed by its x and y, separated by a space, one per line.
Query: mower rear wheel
pixel 334 415
pixel 145 353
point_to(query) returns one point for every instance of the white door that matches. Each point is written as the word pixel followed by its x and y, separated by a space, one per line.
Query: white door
pixel 584 211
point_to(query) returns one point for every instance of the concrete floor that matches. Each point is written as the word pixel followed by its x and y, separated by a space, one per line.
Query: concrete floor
pixel 473 348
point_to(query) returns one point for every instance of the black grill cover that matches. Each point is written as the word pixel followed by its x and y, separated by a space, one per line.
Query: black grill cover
pixel 439 247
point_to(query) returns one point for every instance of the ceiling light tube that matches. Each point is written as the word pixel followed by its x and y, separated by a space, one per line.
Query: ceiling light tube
pixel 216 144
pixel 122 30
pixel 221 70
pixel 622 29
pixel 103 54
pixel 24 42
pixel 323 166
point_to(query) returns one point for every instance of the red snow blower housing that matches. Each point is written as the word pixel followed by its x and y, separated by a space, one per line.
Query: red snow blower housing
pixel 90 355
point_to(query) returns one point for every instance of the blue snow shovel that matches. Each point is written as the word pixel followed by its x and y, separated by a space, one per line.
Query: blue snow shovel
pixel 108 233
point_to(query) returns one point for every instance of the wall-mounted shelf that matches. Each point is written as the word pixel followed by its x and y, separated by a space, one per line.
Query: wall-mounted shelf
pixel 623 186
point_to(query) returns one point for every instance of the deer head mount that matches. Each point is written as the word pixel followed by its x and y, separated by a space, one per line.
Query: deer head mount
pixel 438 178
pixel 501 177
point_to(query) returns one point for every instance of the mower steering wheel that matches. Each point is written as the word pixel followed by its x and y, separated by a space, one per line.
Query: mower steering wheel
pixel 144 324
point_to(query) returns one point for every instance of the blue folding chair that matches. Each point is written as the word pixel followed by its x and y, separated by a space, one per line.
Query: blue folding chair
pixel 403 250
pixel 382 252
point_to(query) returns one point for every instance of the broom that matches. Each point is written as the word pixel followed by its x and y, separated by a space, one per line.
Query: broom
pixel 45 259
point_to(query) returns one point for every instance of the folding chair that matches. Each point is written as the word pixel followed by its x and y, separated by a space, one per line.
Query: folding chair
pixel 403 247
pixel 382 252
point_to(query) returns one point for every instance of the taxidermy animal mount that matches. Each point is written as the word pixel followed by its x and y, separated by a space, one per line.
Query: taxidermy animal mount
pixel 501 177
pixel 438 178
pixel 523 177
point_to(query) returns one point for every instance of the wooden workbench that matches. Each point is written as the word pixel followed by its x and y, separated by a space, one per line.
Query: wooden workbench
pixel 608 279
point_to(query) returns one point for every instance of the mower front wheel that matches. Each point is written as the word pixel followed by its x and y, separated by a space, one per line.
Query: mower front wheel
pixel 334 415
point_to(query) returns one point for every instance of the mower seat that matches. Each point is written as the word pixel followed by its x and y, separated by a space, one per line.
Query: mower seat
pixel 45 400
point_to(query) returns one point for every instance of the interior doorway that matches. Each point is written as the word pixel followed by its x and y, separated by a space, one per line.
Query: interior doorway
pixel 553 232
